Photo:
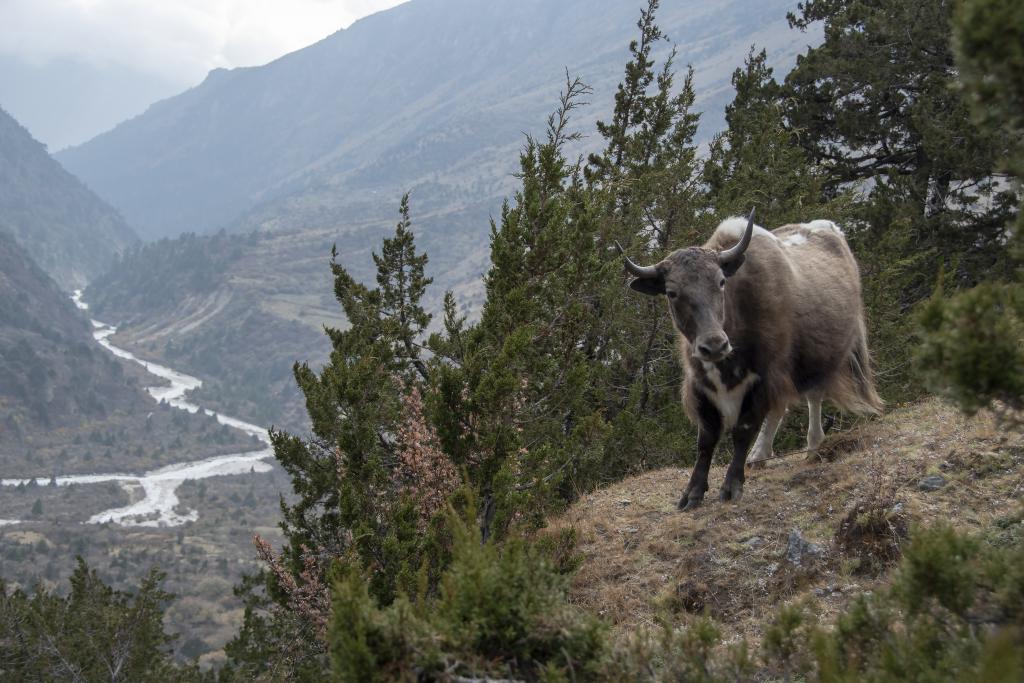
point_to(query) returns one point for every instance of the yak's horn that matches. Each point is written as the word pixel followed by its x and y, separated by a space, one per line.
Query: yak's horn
pixel 730 255
pixel 639 271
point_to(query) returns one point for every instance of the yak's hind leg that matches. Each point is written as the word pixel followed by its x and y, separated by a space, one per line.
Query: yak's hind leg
pixel 815 434
pixel 762 448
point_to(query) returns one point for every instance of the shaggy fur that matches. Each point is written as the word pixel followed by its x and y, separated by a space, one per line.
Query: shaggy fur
pixel 791 318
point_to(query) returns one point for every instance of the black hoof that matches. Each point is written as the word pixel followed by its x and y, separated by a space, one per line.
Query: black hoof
pixel 731 491
pixel 686 504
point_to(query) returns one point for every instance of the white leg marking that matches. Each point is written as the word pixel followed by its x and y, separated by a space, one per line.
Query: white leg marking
pixel 815 434
pixel 762 448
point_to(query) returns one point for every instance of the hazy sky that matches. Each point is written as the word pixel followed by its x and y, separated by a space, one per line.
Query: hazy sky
pixel 71 69
pixel 178 40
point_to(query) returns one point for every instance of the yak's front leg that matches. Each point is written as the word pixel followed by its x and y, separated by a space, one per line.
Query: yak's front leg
pixel 708 433
pixel 742 436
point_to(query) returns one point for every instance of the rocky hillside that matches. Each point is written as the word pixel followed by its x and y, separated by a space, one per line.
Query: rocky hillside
pixel 67 229
pixel 825 531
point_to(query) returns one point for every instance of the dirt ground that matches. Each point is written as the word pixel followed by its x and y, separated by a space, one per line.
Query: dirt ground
pixel 825 530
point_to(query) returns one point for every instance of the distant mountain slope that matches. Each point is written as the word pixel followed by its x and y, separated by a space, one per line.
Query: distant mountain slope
pixel 432 96
pixel 52 373
pixel 235 310
pixel 317 148
pixel 67 229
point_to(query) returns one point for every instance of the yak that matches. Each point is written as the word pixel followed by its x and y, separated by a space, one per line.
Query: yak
pixel 764 318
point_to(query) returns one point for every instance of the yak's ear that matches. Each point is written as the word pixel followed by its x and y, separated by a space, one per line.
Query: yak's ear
pixel 731 267
pixel 648 285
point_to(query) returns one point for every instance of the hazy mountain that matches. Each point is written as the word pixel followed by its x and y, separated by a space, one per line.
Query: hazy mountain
pixel 98 96
pixel 432 95
pixel 67 229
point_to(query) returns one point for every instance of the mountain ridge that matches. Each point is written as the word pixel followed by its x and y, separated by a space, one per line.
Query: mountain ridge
pixel 69 231
pixel 299 139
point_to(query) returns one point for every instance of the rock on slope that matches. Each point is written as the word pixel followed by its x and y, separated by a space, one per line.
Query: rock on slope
pixel 67 229
pixel 829 530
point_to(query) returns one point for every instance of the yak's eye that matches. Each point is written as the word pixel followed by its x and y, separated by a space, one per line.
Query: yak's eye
pixel 671 294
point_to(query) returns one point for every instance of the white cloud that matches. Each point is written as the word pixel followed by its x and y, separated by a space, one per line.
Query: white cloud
pixel 180 40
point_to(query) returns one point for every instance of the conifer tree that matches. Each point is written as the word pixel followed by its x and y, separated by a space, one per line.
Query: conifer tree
pixel 350 504
pixel 567 381
pixel 648 167
pixel 879 110
pixel 517 390
pixel 93 633
pixel 877 103
pixel 648 183
pixel 757 161
pixel 973 347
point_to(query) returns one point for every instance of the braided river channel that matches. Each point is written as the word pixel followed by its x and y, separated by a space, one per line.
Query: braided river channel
pixel 157 503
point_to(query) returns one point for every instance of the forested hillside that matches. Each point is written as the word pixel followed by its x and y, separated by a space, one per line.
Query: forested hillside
pixel 235 310
pixel 461 471
pixel 66 229
pixel 51 372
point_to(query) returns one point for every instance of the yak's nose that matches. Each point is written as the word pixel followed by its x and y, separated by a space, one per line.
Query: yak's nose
pixel 713 347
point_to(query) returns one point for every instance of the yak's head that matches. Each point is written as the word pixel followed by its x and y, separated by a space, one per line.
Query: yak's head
pixel 693 280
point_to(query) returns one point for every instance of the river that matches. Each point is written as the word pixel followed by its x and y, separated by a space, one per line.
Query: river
pixel 158 503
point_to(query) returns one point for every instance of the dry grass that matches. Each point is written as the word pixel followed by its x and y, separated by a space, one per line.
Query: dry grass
pixel 645 561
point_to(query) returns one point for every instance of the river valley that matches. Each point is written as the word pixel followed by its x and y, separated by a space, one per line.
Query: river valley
pixel 153 494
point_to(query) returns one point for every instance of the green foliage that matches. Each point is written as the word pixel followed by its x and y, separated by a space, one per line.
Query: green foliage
pixel 757 161
pixel 349 500
pixel 568 382
pixel 161 275
pixel 500 611
pixel 785 638
pixel 692 653
pixel 94 633
pixel 952 614
pixel 989 44
pixel 973 347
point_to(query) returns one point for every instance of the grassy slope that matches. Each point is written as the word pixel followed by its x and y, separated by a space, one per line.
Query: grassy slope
pixel 643 559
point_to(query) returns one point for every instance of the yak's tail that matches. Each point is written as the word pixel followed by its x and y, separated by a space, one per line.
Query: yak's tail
pixel 853 388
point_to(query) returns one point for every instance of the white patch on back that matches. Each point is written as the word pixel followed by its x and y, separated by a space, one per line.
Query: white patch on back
pixel 823 226
pixel 735 227
pixel 795 240
pixel 728 401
